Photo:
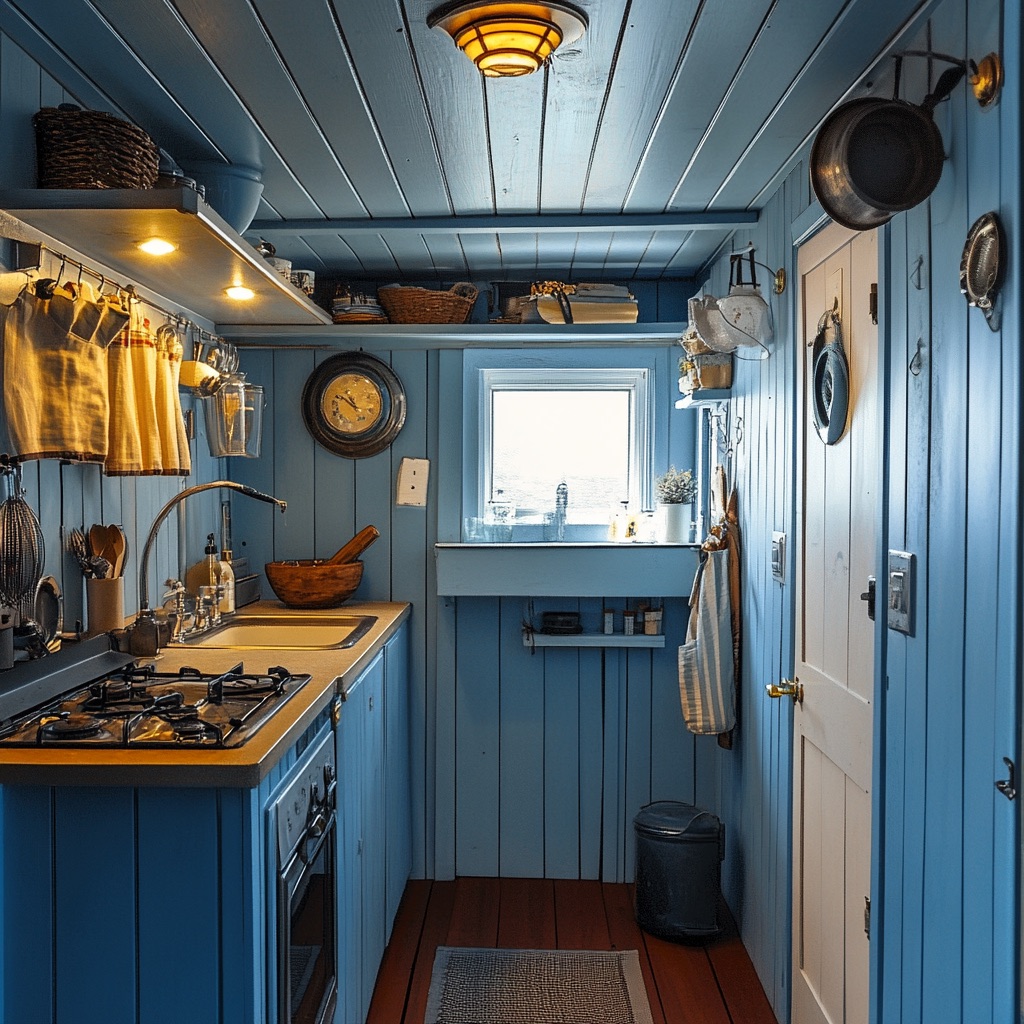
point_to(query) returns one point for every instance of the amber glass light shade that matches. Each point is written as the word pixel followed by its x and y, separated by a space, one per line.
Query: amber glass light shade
pixel 505 40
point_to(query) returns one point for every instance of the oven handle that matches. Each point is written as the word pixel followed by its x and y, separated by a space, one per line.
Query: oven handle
pixel 301 853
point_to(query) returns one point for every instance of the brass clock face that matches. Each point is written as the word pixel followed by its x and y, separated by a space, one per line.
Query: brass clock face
pixel 353 404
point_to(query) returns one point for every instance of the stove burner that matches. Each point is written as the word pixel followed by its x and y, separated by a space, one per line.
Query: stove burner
pixel 70 725
pixel 136 706
pixel 193 728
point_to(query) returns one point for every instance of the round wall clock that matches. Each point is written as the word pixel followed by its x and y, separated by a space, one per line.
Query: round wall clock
pixel 353 404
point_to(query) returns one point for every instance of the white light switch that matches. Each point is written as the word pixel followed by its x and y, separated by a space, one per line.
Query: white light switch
pixel 412 482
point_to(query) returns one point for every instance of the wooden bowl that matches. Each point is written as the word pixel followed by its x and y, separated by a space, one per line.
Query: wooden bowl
pixel 310 583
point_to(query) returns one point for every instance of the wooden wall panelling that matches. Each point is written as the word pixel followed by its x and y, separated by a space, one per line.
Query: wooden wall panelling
pixel 294 531
pixel 95 838
pixel 991 698
pixel 614 768
pixel 1007 911
pixel 672 771
pixel 593 687
pixel 638 752
pixel 28 900
pixel 440 825
pixel 522 769
pixel 943 866
pixel 413 533
pixel 564 711
pixel 891 715
pixel 477 685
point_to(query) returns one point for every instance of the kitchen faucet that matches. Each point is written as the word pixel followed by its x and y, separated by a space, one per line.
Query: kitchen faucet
pixel 144 636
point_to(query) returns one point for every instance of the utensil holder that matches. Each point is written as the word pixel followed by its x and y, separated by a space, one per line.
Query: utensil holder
pixel 104 598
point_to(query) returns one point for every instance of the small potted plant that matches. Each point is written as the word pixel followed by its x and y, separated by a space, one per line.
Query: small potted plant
pixel 676 491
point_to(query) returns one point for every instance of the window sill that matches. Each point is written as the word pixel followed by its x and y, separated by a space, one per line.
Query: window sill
pixel 565 570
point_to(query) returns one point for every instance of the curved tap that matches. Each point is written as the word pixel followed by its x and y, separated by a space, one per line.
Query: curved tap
pixel 249 492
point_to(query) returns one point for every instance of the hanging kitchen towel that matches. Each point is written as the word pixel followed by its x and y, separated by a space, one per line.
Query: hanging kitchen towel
pixel 124 448
pixel 142 345
pixel 55 383
pixel 176 457
pixel 706 682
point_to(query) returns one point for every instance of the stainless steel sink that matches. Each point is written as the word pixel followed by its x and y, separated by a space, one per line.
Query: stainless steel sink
pixel 284 633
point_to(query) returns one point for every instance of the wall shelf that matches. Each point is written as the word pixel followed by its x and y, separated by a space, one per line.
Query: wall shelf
pixel 704 396
pixel 106 225
pixel 537 639
pixel 565 570
pixel 435 336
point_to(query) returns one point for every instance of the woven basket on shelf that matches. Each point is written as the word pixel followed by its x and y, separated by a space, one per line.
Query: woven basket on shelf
pixel 78 148
pixel 713 370
pixel 405 305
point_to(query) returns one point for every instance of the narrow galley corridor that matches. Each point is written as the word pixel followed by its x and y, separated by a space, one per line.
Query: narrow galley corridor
pixel 712 982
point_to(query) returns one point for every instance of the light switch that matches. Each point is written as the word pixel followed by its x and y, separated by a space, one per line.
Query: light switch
pixel 412 482
pixel 900 575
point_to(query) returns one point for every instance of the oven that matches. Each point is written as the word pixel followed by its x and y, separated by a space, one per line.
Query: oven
pixel 304 816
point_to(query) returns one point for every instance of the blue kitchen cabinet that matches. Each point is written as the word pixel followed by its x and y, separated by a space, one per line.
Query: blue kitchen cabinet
pixel 375 852
pixel 141 905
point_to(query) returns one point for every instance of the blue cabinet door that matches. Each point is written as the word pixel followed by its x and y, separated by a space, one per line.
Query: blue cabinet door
pixel 397 773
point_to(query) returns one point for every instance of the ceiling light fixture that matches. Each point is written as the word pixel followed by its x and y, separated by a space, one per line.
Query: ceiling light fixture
pixel 240 293
pixel 157 246
pixel 509 39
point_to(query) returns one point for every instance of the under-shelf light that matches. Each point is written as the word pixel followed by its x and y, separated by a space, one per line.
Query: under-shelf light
pixel 240 293
pixel 157 246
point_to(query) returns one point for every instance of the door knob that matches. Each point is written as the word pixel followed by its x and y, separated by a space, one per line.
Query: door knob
pixel 869 596
pixel 786 688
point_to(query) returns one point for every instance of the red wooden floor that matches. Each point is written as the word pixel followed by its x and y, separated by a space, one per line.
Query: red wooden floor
pixel 711 982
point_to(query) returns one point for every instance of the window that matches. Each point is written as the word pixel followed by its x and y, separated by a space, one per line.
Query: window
pixel 560 448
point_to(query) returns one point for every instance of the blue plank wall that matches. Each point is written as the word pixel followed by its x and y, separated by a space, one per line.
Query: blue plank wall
pixel 946 878
pixel 946 872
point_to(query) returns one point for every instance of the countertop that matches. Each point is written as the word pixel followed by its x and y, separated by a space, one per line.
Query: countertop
pixel 332 673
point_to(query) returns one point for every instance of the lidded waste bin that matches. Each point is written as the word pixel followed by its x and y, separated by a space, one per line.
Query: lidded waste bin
pixel 679 853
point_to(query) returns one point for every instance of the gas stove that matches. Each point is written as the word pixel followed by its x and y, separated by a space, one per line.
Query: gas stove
pixel 99 697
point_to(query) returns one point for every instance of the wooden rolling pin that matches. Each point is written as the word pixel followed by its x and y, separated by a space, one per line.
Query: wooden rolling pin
pixel 355 547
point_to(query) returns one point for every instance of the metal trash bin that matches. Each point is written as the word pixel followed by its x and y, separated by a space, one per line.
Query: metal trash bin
pixel 679 853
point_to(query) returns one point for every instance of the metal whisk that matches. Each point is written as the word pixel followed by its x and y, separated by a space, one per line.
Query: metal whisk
pixel 21 543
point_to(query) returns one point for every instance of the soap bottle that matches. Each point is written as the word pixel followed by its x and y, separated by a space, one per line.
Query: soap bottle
pixel 204 573
pixel 227 582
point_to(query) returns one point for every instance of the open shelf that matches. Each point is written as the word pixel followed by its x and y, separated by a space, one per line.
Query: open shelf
pixel 106 225
pixel 537 639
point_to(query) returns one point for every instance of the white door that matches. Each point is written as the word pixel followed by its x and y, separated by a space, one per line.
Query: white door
pixel 837 505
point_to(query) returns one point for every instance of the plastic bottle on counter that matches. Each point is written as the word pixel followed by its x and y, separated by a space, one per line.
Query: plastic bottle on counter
pixel 204 573
pixel 226 577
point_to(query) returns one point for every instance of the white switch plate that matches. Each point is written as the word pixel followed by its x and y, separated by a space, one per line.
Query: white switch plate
pixel 900 592
pixel 412 482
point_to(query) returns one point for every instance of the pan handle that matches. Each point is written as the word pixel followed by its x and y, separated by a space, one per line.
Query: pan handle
pixel 948 81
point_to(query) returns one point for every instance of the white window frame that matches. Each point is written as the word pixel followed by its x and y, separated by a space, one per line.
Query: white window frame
pixel 637 381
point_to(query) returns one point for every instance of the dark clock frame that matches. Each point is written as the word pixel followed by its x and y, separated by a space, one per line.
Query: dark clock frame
pixel 376 437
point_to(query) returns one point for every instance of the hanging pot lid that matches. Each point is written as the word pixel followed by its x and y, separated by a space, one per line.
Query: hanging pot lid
pixel 830 390
pixel 982 264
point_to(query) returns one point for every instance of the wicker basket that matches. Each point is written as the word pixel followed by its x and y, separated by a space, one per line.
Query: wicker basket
pixel 78 148
pixel 405 305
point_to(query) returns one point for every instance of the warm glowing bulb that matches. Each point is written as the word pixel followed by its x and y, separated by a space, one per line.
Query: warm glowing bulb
pixel 157 247
pixel 239 292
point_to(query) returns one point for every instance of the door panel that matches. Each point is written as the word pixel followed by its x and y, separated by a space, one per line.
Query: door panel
pixel 834 662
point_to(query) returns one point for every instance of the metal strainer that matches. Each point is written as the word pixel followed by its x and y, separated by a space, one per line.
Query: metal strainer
pixel 21 543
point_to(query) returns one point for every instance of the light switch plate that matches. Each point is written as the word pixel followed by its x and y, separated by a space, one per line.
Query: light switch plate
pixel 779 556
pixel 899 598
pixel 412 482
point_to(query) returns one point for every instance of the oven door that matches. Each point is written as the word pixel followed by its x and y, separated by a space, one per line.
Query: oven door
pixel 307 919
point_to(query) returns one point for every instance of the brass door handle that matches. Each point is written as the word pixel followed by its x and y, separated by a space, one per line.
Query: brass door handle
pixel 786 688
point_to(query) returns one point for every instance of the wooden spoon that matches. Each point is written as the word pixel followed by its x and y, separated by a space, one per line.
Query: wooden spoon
pixel 355 547
pixel 108 543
